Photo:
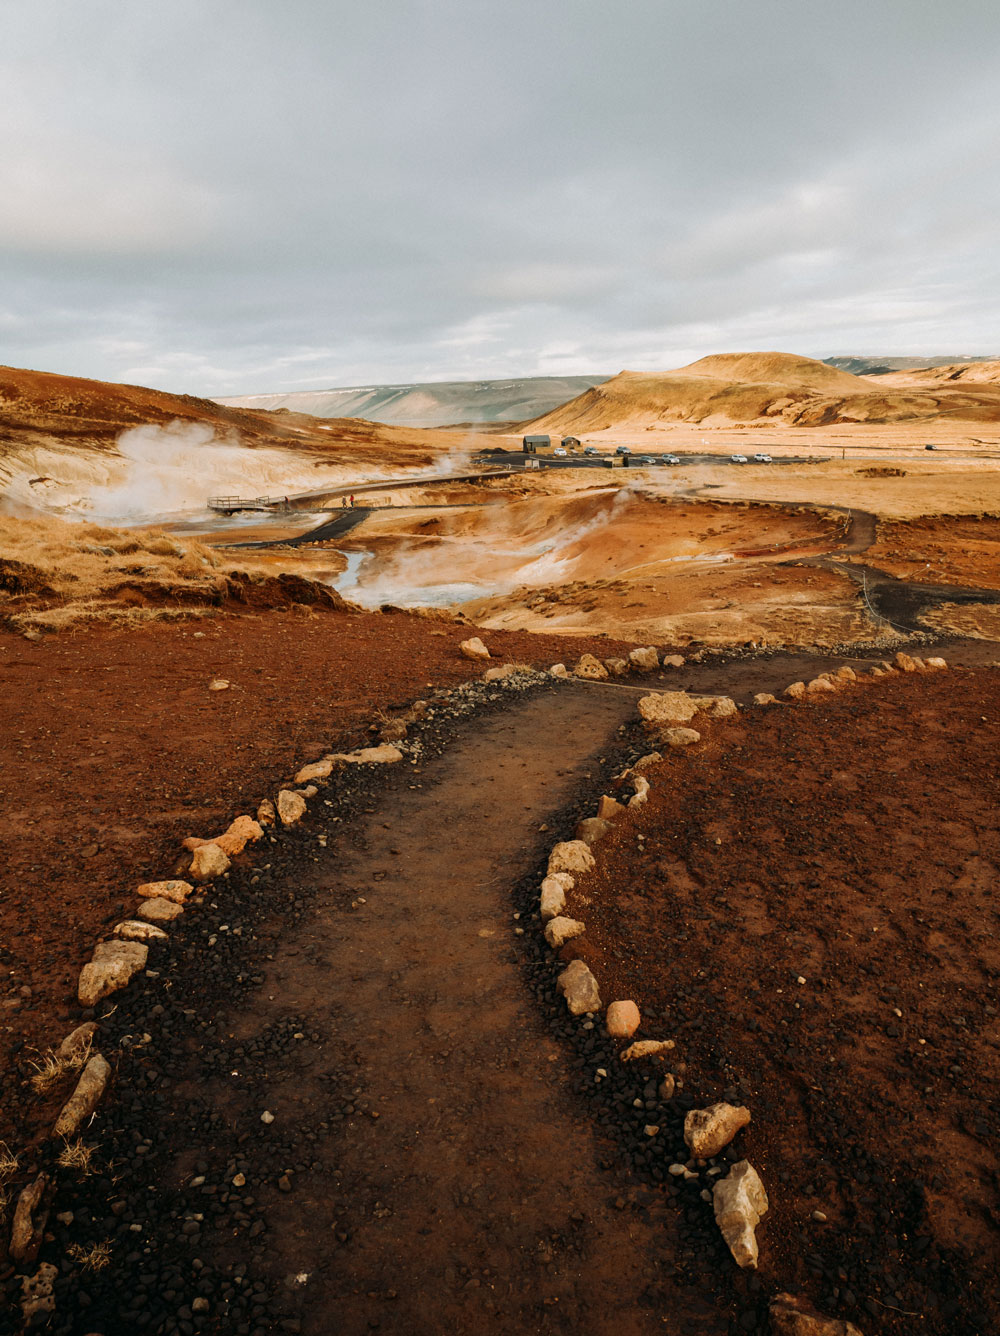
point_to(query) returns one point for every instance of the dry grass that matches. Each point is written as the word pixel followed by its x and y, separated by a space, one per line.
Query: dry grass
pixel 8 1168
pixel 52 1068
pixel 94 1258
pixel 78 1157
pixel 55 575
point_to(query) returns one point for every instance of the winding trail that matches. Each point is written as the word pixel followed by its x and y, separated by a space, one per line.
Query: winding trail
pixel 462 1192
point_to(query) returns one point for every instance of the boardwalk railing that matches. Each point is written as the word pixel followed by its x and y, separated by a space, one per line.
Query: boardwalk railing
pixel 229 504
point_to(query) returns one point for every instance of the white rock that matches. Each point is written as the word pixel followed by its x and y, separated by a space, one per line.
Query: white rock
pixel 739 1201
pixel 317 770
pixel 765 698
pixel 474 649
pixel 84 1099
pixel 673 661
pixel 570 856
pixel 644 659
pixel 820 686
pixel 552 901
pixel 794 691
pixel 132 930
pixel 560 930
pixel 641 795
pixel 708 1131
pixel 558 670
pixel 579 987
pixel 208 861
pixel 936 663
pixel 113 965
pixel 667 707
pixel 291 807
pixel 680 737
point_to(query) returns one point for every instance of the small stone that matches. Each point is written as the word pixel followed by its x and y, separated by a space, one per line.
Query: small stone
pixel 680 737
pixel 113 965
pixel 133 930
pixel 668 1087
pixel 474 649
pixel 579 987
pixel 157 911
pixel 609 808
pixel 208 861
pixel 558 670
pixel 78 1041
pixel 84 1099
pixel 795 691
pixel 553 894
pixel 267 1117
pixel 792 1316
pixel 590 669
pixel 240 1181
pixel 37 1294
pixel 591 829
pixel 218 684
pixel 291 807
pixel 819 1217
pixel 647 1048
pixel 765 698
pixel 820 686
pixel 616 667
pixel 644 659
pixel 570 856
pixel 641 795
pixel 386 753
pixel 673 661
pixel 178 891
pixel 739 1203
pixel 29 1222
pixel 651 1129
pixel 644 762
pixel 200 1305
pixel 622 1019
pixel 500 673
pixel 708 1131
pixel 266 813
pixel 904 663
pixel 559 931
pixel 936 663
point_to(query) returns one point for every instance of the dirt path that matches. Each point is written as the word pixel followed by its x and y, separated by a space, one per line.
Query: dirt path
pixel 442 1177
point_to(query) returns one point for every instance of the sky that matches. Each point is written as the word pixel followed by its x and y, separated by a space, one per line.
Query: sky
pixel 238 196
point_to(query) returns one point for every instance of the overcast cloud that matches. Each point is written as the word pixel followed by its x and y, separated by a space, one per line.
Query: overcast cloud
pixel 239 195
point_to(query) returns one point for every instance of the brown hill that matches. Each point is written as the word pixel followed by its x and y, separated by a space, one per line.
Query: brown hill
pixel 749 387
pixel 971 373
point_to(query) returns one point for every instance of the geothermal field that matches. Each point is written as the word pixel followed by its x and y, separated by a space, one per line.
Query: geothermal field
pixel 372 789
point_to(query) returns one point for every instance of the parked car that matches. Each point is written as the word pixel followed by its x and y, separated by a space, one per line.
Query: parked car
pixel 670 459
pixel 623 450
pixel 590 449
pixel 560 452
pixel 737 459
pixel 930 447
pixel 761 459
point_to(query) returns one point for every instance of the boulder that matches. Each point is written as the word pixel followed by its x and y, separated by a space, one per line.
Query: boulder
pixel 708 1131
pixel 608 808
pixel 208 861
pixel 29 1222
pixel 666 708
pixel 77 1043
pixel 904 663
pixel 616 667
pixel 673 661
pixel 570 856
pixel 113 965
pixel 291 807
pixel 937 663
pixel 846 673
pixel 266 813
pixel 474 649
pixel 765 698
pixel 820 686
pixel 591 829
pixel 590 669
pixel 579 987
pixel 647 1048
pixel 644 659
pixel 558 670
pixel 680 737
pixel 560 930
pixel 133 930
pixel 158 911
pixel 38 1295
pixel 498 674
pixel 739 1201
pixel 794 691
pixel 178 891
pixel 622 1020
pixel 553 895
pixel 84 1099
pixel 318 770
pixel 791 1316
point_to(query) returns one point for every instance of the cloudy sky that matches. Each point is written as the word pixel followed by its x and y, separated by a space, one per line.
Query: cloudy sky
pixel 224 196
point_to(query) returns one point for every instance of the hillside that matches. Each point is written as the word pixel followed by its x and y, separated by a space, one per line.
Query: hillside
pixel 880 366
pixel 965 373
pixel 750 387
pixel 432 404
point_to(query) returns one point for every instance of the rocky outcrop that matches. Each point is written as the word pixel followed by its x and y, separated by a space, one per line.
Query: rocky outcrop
pixel 740 1202
pixel 579 987
pixel 113 965
pixel 708 1131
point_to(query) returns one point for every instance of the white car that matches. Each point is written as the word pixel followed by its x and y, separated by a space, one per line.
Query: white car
pixel 737 459
pixel 560 452
pixel 762 459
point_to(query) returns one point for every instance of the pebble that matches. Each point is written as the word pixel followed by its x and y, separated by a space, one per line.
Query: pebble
pixel 267 1117
pixel 819 1217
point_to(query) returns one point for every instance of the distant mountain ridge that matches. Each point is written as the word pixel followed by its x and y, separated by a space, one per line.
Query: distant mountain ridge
pixel 431 403
pixel 880 366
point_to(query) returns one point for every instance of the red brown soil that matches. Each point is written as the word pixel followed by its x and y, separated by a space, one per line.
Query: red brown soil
pixel 112 750
pixel 951 549
pixel 854 844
